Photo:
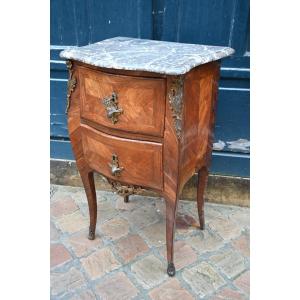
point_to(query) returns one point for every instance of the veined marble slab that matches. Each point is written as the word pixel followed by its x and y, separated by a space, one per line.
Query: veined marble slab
pixel 146 55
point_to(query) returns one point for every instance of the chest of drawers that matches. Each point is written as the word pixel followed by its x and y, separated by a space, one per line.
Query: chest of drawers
pixel 141 113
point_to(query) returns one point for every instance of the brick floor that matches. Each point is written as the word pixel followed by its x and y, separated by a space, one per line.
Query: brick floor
pixel 203 278
pixel 131 247
pixel 82 246
pixel 117 286
pixel 127 258
pixel 58 255
pixel 63 206
pixel 100 262
pixel 114 228
pixel 171 289
pixel 183 253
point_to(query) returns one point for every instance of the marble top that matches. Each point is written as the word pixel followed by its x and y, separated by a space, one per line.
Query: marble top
pixel 146 55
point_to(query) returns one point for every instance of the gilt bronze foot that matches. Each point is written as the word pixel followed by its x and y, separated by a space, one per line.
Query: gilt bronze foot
pixel 91 234
pixel 171 269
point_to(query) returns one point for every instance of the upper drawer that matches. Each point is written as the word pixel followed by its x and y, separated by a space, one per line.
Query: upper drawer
pixel 140 101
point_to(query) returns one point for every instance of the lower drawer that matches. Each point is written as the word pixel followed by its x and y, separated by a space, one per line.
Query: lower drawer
pixel 129 161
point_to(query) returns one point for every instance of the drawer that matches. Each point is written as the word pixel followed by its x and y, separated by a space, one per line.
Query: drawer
pixel 140 161
pixel 140 101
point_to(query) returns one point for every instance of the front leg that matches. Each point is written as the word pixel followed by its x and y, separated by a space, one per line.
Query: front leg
pixel 171 208
pixel 74 126
pixel 87 177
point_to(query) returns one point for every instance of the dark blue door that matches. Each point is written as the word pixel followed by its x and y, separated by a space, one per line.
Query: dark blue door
pixel 214 22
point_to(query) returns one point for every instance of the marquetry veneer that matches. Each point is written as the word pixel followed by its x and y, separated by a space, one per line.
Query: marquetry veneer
pixel 142 129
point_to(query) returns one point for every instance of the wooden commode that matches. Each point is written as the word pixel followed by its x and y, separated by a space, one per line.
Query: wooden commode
pixel 141 113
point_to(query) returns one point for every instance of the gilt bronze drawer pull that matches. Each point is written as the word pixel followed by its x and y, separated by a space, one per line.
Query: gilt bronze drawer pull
pixel 111 106
pixel 115 168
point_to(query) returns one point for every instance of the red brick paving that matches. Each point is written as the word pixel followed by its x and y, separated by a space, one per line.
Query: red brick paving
pixel 127 258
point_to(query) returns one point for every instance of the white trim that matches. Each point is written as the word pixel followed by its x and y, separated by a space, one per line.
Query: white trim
pixel 231 154
pixel 236 69
pixel 57 61
pixel 59 47
pixel 58 79
pixel 234 89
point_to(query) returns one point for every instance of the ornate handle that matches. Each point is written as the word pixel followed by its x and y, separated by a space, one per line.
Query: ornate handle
pixel 115 168
pixel 111 106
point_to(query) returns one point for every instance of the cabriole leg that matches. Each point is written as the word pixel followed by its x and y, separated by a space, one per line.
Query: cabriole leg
pixel 202 181
pixel 89 186
pixel 171 207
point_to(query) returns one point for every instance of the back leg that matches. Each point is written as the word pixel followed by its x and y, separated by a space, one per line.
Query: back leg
pixel 202 181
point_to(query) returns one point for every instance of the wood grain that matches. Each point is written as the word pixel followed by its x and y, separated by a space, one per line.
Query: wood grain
pixel 142 101
pixel 141 160
pixel 85 171
pixel 123 133
pixel 171 164
pixel 152 151
pixel 199 102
